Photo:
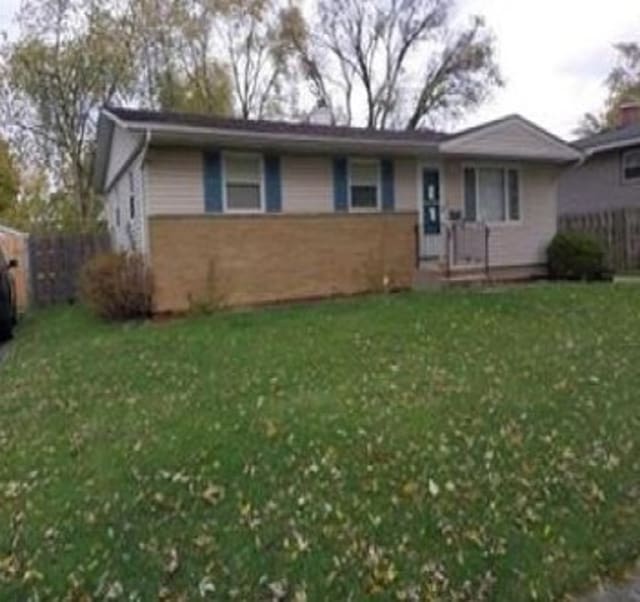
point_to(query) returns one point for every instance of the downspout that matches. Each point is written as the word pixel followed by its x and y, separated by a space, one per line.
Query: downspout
pixel 145 215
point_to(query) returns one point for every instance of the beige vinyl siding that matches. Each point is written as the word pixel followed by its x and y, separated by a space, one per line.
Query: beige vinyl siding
pixel 123 146
pixel 406 184
pixel 525 242
pixel 175 181
pixel 307 184
pixel 510 139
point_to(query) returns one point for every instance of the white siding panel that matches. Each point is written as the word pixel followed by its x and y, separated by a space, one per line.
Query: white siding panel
pixel 122 147
pixel 406 184
pixel 524 243
pixel 130 234
pixel 512 138
pixel 175 181
pixel 307 184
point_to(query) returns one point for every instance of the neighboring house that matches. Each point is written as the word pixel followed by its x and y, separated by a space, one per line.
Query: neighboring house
pixel 609 175
pixel 243 212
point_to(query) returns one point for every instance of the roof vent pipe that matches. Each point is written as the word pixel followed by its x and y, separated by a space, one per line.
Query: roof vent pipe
pixel 321 115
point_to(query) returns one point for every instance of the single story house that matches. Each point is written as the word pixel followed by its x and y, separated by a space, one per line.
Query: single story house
pixel 240 212
pixel 608 177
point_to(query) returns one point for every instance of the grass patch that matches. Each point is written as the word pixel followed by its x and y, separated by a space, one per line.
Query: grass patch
pixel 450 446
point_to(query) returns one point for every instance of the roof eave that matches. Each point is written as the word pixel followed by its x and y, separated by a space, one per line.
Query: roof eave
pixel 611 146
pixel 532 157
pixel 104 137
pixel 201 136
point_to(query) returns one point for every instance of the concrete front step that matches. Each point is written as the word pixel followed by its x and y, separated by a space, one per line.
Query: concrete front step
pixel 434 277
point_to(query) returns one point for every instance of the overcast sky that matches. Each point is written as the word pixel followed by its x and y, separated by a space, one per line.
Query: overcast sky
pixel 554 54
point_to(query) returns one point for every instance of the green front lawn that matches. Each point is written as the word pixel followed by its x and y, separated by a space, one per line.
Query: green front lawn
pixel 453 446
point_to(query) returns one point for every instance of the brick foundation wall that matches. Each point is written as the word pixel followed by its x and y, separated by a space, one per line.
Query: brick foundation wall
pixel 247 260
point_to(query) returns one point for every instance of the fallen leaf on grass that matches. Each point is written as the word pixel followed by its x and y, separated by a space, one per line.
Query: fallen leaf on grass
pixel 173 562
pixel 213 494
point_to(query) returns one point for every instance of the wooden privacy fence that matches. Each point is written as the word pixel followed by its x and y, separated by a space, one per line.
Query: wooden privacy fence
pixel 55 262
pixel 617 230
pixel 15 245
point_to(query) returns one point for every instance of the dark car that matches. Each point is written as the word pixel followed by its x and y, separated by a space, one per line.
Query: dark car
pixel 8 309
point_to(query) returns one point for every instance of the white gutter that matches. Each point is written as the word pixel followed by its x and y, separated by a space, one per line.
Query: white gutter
pixel 114 118
pixel 145 215
pixel 612 146
pixel 240 135
pixel 286 137
pixel 139 149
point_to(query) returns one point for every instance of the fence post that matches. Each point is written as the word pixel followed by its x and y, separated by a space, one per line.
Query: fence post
pixel 487 233
pixel 448 250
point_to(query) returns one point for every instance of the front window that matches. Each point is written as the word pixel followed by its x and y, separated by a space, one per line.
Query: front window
pixel 631 166
pixel 364 183
pixel 492 194
pixel 243 182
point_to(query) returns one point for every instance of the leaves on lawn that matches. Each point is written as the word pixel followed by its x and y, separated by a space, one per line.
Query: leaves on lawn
pixel 450 447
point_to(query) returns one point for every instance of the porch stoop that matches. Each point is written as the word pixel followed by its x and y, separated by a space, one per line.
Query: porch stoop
pixel 433 274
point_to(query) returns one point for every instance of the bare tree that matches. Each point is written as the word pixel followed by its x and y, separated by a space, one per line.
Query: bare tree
pixel 259 49
pixel 217 56
pixel 402 59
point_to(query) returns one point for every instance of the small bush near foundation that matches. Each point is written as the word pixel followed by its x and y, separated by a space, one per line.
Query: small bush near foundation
pixel 117 286
pixel 212 298
pixel 576 256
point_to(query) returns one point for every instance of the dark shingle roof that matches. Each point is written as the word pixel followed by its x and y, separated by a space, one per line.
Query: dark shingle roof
pixel 275 127
pixel 617 136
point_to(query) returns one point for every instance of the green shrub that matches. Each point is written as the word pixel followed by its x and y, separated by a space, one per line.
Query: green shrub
pixel 117 286
pixel 576 256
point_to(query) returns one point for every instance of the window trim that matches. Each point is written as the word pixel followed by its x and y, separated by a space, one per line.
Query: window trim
pixel 364 161
pixel 629 181
pixel 505 169
pixel 261 181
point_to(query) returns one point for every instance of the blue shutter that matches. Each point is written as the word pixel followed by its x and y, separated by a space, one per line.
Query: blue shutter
pixel 340 193
pixel 388 192
pixel 273 183
pixel 212 170
pixel 470 194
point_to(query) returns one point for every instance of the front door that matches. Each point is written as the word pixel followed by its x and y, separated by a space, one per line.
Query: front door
pixel 431 225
